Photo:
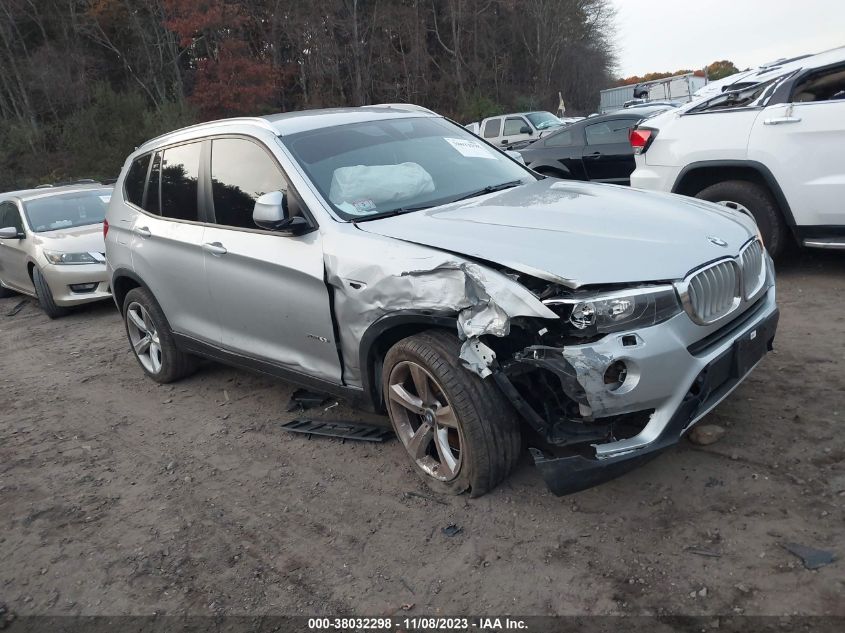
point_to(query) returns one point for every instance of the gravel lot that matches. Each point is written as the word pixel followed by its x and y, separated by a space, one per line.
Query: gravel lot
pixel 120 496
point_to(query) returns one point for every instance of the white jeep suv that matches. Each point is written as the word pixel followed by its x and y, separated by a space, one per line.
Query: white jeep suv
pixel 771 144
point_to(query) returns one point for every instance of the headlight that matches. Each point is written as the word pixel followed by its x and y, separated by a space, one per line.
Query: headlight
pixel 55 257
pixel 601 313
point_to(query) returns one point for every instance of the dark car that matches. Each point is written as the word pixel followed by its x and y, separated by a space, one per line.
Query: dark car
pixel 593 149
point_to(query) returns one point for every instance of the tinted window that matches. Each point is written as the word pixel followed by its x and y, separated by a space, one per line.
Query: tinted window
pixel 492 127
pixel 9 216
pixel 67 210
pixel 513 126
pixel 152 201
pixel 179 176
pixel 135 179
pixel 559 140
pixel 241 171
pixel 827 85
pixel 608 132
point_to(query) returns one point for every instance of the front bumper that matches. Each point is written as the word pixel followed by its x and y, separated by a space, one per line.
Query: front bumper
pixel 60 278
pixel 707 372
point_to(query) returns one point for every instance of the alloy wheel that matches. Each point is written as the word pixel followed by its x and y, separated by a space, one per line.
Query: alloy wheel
pixel 144 337
pixel 425 421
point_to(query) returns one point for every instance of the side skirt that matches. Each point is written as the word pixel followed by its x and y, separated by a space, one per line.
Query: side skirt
pixel 354 395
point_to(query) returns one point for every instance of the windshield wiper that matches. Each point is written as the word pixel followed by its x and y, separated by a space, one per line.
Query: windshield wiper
pixel 489 189
pixel 391 213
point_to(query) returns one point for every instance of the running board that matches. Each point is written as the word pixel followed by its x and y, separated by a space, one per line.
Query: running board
pixel 832 243
pixel 342 430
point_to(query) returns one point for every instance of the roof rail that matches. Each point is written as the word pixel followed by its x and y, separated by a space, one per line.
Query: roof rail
pixel 405 106
pixel 197 126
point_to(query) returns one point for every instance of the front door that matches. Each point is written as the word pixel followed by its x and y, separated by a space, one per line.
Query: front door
pixel 268 289
pixel 13 261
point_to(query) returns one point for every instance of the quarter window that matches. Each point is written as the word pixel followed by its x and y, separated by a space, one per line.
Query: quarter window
pixel 135 179
pixel 241 171
pixel 492 127
pixel 179 177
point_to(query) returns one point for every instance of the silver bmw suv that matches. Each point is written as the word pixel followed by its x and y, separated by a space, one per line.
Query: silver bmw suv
pixel 386 255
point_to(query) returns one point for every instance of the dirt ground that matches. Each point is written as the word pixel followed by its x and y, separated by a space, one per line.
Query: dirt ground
pixel 120 496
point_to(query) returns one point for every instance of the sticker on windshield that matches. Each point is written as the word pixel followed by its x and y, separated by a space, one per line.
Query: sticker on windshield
pixel 470 148
pixel 364 206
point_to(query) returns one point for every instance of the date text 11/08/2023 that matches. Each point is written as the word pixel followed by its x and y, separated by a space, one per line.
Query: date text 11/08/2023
pixel 421 623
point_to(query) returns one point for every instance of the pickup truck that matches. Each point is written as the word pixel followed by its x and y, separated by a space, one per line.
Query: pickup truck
pixel 506 129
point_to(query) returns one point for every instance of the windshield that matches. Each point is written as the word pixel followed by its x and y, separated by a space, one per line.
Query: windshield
pixel 543 120
pixel 376 167
pixel 67 210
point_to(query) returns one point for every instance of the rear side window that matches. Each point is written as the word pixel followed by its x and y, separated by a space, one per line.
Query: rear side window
pixel 492 127
pixel 133 186
pixel 179 178
pixel 608 132
pixel 241 171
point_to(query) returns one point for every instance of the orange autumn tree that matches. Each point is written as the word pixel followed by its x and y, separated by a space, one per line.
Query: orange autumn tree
pixel 230 74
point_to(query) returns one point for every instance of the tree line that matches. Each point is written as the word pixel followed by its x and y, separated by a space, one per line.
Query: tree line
pixel 82 82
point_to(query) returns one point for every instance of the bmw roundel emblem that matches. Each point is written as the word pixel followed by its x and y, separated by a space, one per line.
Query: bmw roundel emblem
pixel 717 241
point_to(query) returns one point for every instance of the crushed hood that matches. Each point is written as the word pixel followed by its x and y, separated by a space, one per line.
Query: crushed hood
pixel 578 233
pixel 79 239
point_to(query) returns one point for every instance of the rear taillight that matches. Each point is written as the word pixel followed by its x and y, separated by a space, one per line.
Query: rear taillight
pixel 105 228
pixel 641 139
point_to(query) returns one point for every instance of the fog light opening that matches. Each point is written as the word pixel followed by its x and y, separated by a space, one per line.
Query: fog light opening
pixel 615 375
pixel 90 287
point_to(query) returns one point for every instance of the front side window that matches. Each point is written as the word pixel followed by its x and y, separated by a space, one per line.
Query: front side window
pixel 179 178
pixel 513 126
pixel 399 165
pixel 135 180
pixel 608 132
pixel 67 210
pixel 492 127
pixel 9 216
pixel 241 171
pixel 825 85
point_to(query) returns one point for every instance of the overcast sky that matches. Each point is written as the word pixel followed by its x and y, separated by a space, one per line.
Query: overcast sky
pixel 665 35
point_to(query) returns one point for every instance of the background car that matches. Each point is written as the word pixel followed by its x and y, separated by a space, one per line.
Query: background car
pixel 772 144
pixel 596 148
pixel 508 129
pixel 51 245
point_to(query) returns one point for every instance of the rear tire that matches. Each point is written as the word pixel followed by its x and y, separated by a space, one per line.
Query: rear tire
pixel 45 296
pixel 745 195
pixel 458 413
pixel 151 338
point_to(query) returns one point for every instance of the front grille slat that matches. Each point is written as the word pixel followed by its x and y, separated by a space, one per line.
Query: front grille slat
pixel 716 291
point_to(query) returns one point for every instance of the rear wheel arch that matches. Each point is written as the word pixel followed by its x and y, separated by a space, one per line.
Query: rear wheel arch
pixel 383 334
pixel 122 282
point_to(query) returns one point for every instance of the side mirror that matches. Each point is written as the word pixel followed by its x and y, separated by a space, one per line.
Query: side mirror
pixel 11 233
pixel 516 156
pixel 271 213
pixel 526 130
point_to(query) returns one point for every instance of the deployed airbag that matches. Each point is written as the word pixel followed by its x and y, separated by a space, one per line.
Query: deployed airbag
pixel 363 187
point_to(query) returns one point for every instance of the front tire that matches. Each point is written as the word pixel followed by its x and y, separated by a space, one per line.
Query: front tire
pixel 45 296
pixel 152 340
pixel 756 201
pixel 459 431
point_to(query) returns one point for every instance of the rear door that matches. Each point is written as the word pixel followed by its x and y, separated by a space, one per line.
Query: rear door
pixel 802 142
pixel 268 289
pixel 13 260
pixel 492 129
pixel 607 155
pixel 167 242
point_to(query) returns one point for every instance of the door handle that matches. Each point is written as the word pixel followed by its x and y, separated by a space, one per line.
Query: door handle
pixel 781 119
pixel 215 248
pixel 143 231
pixel 593 155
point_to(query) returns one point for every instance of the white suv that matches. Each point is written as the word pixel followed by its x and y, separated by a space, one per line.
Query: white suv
pixel 771 144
